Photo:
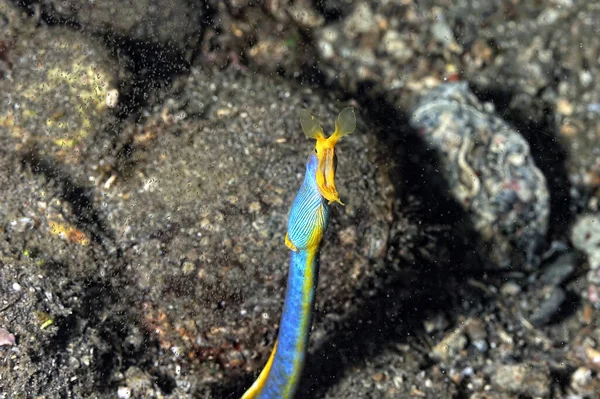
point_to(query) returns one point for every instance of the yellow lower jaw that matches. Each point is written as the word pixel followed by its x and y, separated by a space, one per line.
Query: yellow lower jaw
pixel 326 175
pixel 331 198
pixel 328 191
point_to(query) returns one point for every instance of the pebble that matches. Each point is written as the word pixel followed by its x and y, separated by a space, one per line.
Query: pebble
pixel 396 47
pixel 442 32
pixel 584 384
pixel 234 358
pixel 548 307
pixel 559 270
pixel 438 322
pixel 585 236
pixel 305 16
pixel 510 288
pixel 348 236
pixel 593 357
pixel 254 207
pixel 360 21
pixel 123 393
pixel 6 338
pixel 564 107
pixel 482 51
pixel 450 346
pixel 522 379
pixel 476 331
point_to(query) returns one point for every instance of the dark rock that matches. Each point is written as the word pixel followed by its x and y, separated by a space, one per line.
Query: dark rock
pixel 174 23
pixel 559 269
pixel 549 307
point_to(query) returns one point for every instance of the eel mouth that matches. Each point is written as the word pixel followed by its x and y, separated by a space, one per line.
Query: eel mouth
pixel 325 149
pixel 327 162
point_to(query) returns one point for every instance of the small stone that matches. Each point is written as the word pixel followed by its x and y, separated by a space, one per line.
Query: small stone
pixel 188 267
pixel 568 129
pixel 305 15
pixel 235 359
pixel 436 323
pixel 583 382
pixel 360 21
pixel 586 238
pixel 74 362
pixel 559 270
pixel 564 107
pixel 510 288
pixel 593 357
pixel 442 32
pixel 112 98
pixel 522 379
pixel 16 287
pixel 476 331
pixel 348 236
pixel 123 393
pixel 254 207
pixel 326 50
pixel 396 47
pixel 548 308
pixel 581 376
pixel 450 346
pixel 481 345
pixel 482 51
pixel 6 338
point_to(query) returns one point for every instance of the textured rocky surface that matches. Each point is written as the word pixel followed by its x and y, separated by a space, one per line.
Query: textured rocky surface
pixel 490 172
pixel 166 23
pixel 59 93
pixel 183 214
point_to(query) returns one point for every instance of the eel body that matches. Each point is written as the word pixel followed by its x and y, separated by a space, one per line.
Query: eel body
pixel 306 225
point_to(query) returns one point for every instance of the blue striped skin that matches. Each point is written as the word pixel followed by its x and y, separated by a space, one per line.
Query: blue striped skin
pixel 306 224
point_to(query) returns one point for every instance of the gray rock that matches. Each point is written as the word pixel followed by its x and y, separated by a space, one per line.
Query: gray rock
pixel 559 269
pixel 490 171
pixel 549 307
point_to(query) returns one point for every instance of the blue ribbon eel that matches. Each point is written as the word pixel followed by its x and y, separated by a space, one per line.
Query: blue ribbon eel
pixel 306 224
